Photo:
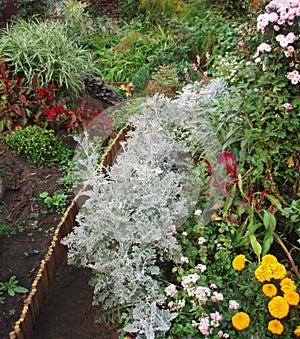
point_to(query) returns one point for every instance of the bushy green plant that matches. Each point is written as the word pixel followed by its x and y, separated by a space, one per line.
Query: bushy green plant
pixel 130 9
pixel 44 50
pixel 232 9
pixel 166 78
pixel 12 287
pixel 140 79
pixel 79 24
pixel 40 146
pixel 157 9
pixel 29 8
pixel 55 203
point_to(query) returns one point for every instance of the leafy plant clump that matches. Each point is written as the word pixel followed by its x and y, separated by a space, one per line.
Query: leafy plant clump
pixel 40 146
pixel 43 49
pixel 12 287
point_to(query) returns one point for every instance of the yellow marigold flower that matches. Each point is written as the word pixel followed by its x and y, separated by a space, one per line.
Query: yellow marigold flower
pixel 287 284
pixel 278 307
pixel 239 262
pixel 269 259
pixel 268 270
pixel 297 331
pixel 263 273
pixel 276 327
pixel 291 297
pixel 240 321
pixel 270 290
pixel 279 271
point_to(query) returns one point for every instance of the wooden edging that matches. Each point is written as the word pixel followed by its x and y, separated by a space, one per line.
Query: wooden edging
pixel 56 254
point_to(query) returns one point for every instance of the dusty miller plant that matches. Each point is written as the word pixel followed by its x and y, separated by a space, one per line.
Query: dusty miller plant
pixel 126 224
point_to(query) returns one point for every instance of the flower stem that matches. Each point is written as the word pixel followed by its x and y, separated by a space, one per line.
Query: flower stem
pixel 288 254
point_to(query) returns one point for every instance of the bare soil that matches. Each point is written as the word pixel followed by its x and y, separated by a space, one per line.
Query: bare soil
pixel 25 233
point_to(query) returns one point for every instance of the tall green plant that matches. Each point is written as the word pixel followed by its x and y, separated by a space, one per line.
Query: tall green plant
pixel 43 49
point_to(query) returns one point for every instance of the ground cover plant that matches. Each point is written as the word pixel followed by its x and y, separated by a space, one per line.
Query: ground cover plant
pixel 210 172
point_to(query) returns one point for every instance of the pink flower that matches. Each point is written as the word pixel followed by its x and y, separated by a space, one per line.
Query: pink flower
pixel 294 76
pixel 281 21
pixel 276 27
pixel 290 37
pixel 287 106
pixel 233 305
pixel 264 47
pixel 273 17
pixel 241 43
pixel 220 334
pixel 272 4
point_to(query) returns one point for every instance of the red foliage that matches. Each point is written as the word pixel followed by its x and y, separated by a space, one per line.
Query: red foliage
pixel 20 105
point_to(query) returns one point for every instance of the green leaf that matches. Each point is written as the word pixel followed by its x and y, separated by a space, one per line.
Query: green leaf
pixel 11 292
pixel 20 289
pixel 275 202
pixel 268 240
pixel 269 221
pixel 255 245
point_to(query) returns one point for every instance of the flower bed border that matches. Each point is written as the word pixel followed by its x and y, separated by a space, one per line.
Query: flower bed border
pixel 56 255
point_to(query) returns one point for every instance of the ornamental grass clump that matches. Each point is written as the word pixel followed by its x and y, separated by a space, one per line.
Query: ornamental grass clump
pixel 43 49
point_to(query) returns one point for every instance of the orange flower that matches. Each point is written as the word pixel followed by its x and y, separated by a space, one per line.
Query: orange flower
pixel 270 290
pixel 278 307
pixel 276 327
pixel 287 284
pixel 297 331
pixel 240 321
pixel 291 297
pixel 239 262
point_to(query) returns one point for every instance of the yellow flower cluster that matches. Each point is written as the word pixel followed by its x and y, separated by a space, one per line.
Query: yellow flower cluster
pixel 270 268
pixel 279 305
pixel 239 262
pixel 240 321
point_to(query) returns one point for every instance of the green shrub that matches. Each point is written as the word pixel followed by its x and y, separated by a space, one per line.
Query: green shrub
pixel 29 8
pixel 40 146
pixel 157 9
pixel 130 9
pixel 43 49
pixel 140 79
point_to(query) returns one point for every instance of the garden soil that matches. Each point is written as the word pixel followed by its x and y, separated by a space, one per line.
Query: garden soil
pixel 25 234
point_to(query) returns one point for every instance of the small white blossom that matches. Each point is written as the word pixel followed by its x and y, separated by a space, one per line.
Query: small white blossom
pixel 198 212
pixel 201 267
pixel 184 260
pixel 170 290
pixel 201 240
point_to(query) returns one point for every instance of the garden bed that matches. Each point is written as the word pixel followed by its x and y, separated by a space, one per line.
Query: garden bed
pixel 26 232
